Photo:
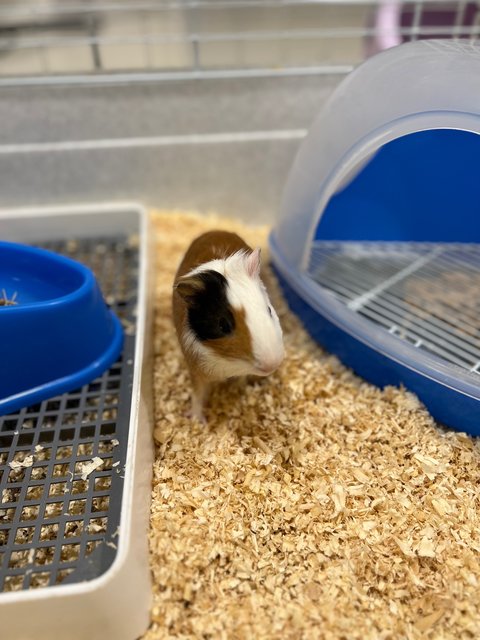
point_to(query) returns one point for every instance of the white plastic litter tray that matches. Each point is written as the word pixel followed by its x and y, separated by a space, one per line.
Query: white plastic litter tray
pixel 73 534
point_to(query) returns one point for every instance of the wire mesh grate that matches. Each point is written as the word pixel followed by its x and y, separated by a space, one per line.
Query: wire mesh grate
pixel 425 294
pixel 62 461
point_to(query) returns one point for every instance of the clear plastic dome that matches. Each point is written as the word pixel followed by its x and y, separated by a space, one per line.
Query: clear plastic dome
pixel 426 85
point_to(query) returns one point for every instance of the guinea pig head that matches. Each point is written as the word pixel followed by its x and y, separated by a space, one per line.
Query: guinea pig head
pixel 232 327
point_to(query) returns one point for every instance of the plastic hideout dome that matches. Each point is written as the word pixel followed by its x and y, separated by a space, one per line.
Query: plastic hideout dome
pixel 377 242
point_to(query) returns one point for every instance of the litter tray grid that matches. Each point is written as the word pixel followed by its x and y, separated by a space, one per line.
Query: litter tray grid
pixel 424 293
pixel 59 516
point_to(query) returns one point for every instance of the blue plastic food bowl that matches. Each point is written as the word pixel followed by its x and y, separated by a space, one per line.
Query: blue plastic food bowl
pixel 56 332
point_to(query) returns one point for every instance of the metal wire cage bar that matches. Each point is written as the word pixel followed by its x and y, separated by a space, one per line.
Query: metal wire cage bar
pixel 204 35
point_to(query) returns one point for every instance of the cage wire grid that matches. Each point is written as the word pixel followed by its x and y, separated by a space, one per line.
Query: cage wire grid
pixel 425 294
pixel 59 516
pixel 200 35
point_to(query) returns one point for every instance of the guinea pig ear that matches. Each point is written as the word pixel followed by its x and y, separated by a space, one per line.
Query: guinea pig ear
pixel 187 287
pixel 252 263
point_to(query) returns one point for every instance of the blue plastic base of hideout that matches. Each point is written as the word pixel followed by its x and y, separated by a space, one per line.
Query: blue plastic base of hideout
pixel 446 405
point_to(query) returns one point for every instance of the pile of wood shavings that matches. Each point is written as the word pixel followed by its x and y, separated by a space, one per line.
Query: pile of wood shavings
pixel 312 504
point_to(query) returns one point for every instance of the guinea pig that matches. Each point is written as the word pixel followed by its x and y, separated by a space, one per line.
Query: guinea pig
pixel 225 322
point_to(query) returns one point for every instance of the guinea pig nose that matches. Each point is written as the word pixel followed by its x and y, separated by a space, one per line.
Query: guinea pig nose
pixel 268 366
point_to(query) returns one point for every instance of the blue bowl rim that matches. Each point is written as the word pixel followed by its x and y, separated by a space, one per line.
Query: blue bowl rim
pixel 88 278
pixel 76 379
pixel 70 382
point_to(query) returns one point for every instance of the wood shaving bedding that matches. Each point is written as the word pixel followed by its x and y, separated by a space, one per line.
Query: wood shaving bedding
pixel 312 504
pixel 89 467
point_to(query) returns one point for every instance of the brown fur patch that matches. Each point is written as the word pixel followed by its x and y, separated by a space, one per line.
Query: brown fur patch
pixel 210 246
pixel 238 345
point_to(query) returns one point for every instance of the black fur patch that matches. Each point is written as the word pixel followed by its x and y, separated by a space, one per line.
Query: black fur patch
pixel 209 314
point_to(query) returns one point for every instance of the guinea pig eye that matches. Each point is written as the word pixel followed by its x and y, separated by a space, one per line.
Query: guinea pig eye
pixel 225 326
pixel 270 311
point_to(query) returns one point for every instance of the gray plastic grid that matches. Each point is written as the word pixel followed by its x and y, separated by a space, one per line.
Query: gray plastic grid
pixel 59 521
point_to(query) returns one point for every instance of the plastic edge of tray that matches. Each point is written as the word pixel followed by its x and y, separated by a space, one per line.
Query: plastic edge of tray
pixel 117 603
